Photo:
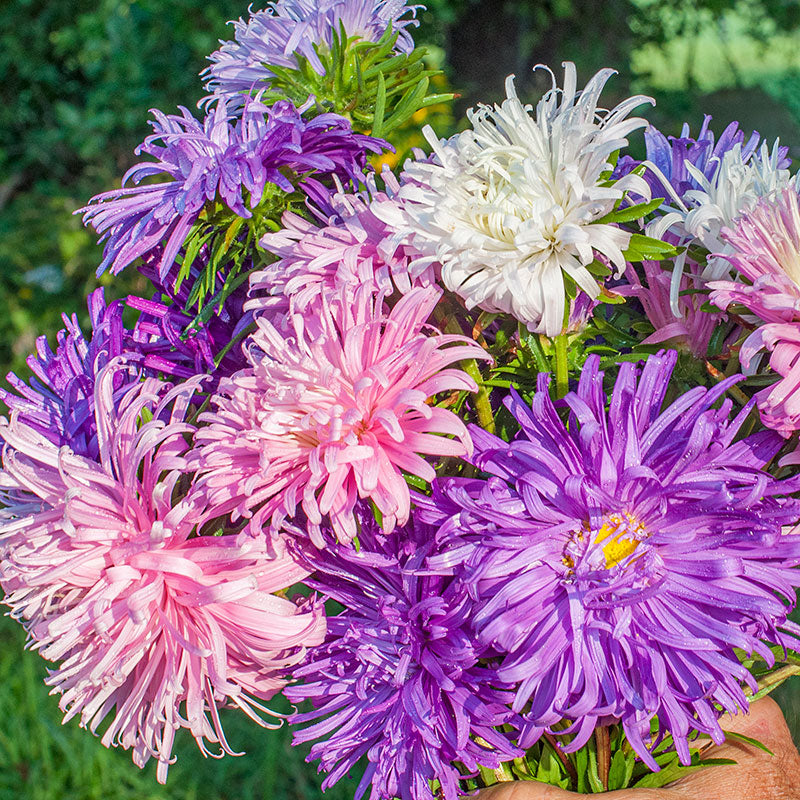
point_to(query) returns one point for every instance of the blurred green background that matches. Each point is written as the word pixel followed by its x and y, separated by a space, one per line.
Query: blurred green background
pixel 78 77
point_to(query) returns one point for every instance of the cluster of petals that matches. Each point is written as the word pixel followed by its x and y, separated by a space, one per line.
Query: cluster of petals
pixel 286 29
pixel 327 419
pixel 693 328
pixel 722 189
pixel 765 254
pixel 622 560
pixel 399 678
pixel 232 159
pixel 347 246
pixel 154 628
pixel 513 205
pixel 673 162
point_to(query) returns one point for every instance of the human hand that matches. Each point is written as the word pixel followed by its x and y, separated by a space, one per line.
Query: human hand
pixel 756 775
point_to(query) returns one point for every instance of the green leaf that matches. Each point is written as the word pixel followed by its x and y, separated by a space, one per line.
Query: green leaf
pixel 380 107
pixel 646 248
pixel 582 768
pixel 675 771
pixel 621 770
pixel 740 737
pixel 416 482
pixel 631 213
pixel 592 773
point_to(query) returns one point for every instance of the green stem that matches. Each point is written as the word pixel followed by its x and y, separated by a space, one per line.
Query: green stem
pixel 603 745
pixel 563 758
pixel 772 680
pixel 480 399
pixel 562 369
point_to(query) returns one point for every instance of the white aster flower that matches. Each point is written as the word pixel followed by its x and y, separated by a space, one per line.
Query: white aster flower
pixel 732 190
pixel 512 204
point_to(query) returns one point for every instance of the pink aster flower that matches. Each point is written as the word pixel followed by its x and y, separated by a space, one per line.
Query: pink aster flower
pixel 693 328
pixel 151 627
pixel 348 246
pixel 325 420
pixel 766 243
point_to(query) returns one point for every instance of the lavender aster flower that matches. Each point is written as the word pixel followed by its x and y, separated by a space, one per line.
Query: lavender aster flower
pixel 398 677
pixel 239 162
pixel 619 559
pixel 288 28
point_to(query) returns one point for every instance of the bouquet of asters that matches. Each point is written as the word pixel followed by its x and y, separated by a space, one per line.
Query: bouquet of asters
pixel 488 463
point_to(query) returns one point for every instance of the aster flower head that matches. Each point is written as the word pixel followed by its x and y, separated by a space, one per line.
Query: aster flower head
pixel 678 159
pixel 238 161
pixel 398 678
pixel 693 327
pixel 348 246
pixel 58 402
pixel 764 247
pixel 511 206
pixel 322 420
pixel 728 186
pixel 619 559
pixel 276 35
pixel 153 628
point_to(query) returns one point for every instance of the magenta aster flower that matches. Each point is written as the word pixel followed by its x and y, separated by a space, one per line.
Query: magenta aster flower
pixel 766 256
pixel 288 28
pixel 693 328
pixel 399 678
pixel 348 246
pixel 153 627
pixel 619 559
pixel 325 420
pixel 237 161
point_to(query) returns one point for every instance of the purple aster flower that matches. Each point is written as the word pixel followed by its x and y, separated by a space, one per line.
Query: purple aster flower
pixel 58 402
pixel 671 154
pixel 184 342
pixel 236 161
pixel 398 679
pixel 288 28
pixel 619 559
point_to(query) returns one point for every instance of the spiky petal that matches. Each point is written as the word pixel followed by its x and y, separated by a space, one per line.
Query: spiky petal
pixel 511 206
pixel 288 28
pixel 236 160
pixel 765 245
pixel 399 677
pixel 349 246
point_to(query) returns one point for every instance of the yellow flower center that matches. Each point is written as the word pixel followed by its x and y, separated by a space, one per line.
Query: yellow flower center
pixel 621 534
pixel 608 546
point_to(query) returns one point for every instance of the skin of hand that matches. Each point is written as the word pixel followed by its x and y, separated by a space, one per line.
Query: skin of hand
pixel 756 775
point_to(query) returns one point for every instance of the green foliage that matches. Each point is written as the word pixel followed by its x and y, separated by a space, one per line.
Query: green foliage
pixel 364 81
pixel 78 78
